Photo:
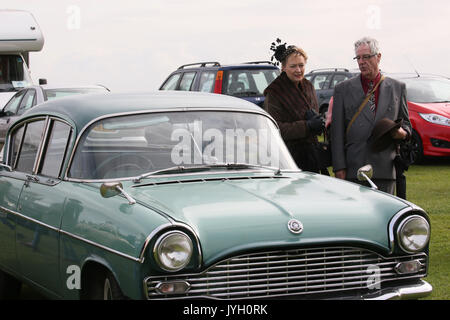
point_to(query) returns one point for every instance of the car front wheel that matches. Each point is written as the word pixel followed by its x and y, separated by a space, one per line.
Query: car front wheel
pixel 9 287
pixel 105 287
pixel 417 147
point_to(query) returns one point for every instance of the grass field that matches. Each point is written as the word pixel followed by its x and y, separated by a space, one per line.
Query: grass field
pixel 428 187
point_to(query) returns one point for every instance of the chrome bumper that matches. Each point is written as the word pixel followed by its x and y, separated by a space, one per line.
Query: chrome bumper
pixel 416 291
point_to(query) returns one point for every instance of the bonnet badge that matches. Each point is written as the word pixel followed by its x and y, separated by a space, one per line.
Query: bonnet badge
pixel 295 226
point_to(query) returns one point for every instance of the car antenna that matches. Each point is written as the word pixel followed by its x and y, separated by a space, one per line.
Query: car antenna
pixel 412 65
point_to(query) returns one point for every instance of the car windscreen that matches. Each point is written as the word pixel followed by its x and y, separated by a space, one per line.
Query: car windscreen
pixel 13 73
pixel 248 82
pixel 427 90
pixel 59 93
pixel 132 145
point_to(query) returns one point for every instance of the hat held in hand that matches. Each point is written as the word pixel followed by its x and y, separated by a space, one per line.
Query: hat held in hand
pixel 381 137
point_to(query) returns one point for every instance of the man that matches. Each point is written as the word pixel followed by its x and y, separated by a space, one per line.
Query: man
pixel 350 147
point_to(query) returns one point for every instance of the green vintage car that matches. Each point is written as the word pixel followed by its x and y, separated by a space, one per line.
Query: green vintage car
pixel 173 195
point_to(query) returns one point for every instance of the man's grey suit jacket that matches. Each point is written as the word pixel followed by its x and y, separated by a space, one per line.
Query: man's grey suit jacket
pixel 352 151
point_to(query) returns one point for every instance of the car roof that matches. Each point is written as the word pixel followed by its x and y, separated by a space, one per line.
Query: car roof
pixel 82 109
pixel 214 65
pixel 62 87
pixel 53 87
pixel 333 70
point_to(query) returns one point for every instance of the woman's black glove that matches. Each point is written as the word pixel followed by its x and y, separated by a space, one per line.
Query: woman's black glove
pixel 315 122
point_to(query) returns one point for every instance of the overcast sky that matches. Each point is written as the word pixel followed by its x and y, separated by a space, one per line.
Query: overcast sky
pixel 134 45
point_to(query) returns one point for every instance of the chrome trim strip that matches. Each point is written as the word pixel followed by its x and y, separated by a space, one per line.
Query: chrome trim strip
pixel 100 246
pixel 197 240
pixel 42 143
pixel 172 223
pixel 29 219
pixel 149 238
pixel 69 234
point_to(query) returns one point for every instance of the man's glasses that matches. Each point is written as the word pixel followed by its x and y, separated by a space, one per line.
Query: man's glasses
pixel 364 57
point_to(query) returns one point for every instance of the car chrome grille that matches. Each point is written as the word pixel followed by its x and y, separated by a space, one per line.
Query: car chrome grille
pixel 289 273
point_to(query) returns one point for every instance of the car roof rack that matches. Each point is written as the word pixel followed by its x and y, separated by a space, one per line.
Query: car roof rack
pixel 329 69
pixel 201 64
pixel 257 62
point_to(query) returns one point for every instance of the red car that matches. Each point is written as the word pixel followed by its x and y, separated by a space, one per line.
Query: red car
pixel 429 111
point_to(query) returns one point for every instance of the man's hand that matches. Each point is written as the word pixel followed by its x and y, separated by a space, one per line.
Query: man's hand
pixel 399 134
pixel 341 174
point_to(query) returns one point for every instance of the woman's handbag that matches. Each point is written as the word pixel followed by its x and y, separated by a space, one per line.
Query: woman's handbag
pixel 324 151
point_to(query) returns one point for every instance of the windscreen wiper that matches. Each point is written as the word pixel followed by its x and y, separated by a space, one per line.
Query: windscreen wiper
pixel 243 166
pixel 231 166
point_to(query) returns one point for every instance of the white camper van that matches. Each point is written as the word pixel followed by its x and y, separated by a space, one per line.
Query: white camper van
pixel 19 35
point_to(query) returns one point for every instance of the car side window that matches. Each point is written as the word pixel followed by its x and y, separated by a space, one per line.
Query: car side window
pixel 171 83
pixel 16 138
pixel 30 146
pixel 207 81
pixel 319 81
pixel 337 79
pixel 186 81
pixel 27 102
pixel 59 135
pixel 13 104
pixel 237 81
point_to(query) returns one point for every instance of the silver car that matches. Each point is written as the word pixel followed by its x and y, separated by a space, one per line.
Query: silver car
pixel 28 97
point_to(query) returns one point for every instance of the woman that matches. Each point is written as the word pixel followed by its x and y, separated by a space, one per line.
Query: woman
pixel 291 100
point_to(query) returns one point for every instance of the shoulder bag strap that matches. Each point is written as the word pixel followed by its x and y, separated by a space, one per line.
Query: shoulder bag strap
pixel 361 107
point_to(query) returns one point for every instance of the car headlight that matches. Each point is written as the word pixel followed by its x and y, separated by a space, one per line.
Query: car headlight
pixel 173 250
pixel 413 234
pixel 436 119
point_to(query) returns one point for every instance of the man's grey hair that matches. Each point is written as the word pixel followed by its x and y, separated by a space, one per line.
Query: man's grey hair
pixel 371 42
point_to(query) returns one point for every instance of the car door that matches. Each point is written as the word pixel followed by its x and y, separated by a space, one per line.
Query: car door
pixel 187 80
pixel 321 83
pixel 11 185
pixel 40 206
pixel 172 82
pixel 28 101
pixel 9 114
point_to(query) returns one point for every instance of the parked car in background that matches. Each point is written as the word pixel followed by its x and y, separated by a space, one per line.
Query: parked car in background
pixel 183 195
pixel 30 96
pixel 20 34
pixel 324 81
pixel 247 80
pixel 429 111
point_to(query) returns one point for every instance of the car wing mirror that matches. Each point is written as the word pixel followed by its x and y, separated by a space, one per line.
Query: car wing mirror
pixel 365 174
pixel 111 189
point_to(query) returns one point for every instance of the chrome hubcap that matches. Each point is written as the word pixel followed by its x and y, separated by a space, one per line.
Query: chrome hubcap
pixel 107 294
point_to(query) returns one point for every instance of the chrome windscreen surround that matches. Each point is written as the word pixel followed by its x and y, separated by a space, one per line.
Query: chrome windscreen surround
pixel 291 273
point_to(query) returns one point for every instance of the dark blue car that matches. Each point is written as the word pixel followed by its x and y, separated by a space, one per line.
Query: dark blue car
pixel 247 80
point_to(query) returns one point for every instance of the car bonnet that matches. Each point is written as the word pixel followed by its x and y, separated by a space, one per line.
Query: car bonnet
pixel 235 215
